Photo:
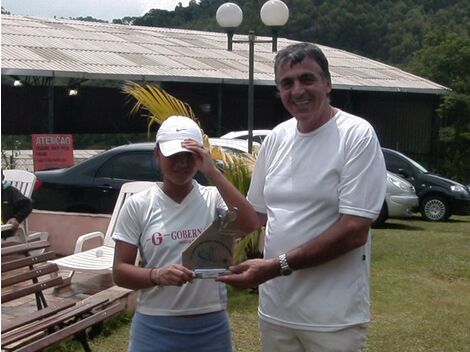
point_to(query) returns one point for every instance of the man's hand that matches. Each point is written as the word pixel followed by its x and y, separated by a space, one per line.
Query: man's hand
pixel 14 223
pixel 251 273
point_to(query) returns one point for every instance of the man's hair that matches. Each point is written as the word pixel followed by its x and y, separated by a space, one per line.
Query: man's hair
pixel 295 53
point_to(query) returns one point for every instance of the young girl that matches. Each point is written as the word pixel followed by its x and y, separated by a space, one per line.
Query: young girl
pixel 175 311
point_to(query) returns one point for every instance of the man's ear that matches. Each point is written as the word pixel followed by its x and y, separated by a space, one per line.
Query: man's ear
pixel 329 87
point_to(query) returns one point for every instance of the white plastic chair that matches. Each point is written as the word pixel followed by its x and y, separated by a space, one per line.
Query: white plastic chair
pixel 99 260
pixel 24 181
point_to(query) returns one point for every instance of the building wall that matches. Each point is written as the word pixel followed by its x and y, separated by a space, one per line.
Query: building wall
pixel 65 228
pixel 403 121
pixel 25 110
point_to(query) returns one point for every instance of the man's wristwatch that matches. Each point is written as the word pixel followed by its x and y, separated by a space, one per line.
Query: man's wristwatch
pixel 285 268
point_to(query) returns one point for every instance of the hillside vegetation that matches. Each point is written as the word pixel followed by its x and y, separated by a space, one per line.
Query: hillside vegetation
pixel 427 37
pixel 386 30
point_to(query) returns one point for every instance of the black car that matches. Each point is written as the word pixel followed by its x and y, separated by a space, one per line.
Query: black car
pixel 93 185
pixel 439 197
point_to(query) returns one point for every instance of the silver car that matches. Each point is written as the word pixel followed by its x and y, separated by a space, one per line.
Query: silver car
pixel 400 199
pixel 258 135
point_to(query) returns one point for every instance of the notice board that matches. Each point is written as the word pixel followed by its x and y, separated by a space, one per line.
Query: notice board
pixel 52 151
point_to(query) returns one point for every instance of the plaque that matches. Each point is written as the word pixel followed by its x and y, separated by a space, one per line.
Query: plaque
pixel 211 253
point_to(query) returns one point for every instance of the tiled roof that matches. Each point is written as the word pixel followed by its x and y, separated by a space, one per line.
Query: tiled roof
pixel 34 46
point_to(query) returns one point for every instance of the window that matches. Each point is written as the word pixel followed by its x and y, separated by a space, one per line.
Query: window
pixel 395 163
pixel 137 166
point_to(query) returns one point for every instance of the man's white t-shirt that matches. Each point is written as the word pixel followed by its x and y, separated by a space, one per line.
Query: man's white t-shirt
pixel 161 228
pixel 304 182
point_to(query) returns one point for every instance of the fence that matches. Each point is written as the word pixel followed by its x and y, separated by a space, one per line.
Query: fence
pixel 23 159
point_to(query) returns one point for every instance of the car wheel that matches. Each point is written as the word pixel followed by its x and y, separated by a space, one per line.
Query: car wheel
pixel 383 216
pixel 435 208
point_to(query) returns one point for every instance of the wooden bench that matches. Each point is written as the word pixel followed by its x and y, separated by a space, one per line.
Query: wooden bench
pixel 24 274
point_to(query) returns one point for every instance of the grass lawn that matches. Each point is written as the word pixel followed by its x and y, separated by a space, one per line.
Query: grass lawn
pixel 421 286
pixel 420 293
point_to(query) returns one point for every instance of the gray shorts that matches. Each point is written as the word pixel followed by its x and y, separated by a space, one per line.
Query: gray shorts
pixel 276 338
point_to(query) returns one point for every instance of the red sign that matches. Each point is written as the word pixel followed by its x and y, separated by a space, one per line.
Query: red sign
pixel 52 151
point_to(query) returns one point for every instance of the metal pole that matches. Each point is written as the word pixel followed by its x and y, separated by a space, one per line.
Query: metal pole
pixel 229 40
pixel 274 40
pixel 50 112
pixel 251 39
pixel 219 109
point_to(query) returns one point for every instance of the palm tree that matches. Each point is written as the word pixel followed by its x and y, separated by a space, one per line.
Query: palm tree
pixel 237 168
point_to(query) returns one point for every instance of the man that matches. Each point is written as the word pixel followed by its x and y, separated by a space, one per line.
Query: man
pixel 15 207
pixel 318 183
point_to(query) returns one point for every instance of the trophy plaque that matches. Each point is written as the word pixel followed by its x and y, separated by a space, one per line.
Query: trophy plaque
pixel 211 253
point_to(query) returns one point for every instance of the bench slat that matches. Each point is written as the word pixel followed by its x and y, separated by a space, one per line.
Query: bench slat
pixel 8 325
pixel 33 288
pixel 73 328
pixel 22 262
pixel 35 273
pixel 79 309
pixel 24 247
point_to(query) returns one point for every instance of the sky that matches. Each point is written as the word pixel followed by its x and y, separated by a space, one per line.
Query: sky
pixel 100 9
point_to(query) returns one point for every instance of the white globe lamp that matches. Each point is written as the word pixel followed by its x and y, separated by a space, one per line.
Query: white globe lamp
pixel 274 13
pixel 229 15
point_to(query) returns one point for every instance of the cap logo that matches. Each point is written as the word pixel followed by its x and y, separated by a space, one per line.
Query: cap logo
pixel 180 129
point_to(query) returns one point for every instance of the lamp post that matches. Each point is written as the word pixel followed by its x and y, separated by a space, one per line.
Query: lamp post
pixel 274 14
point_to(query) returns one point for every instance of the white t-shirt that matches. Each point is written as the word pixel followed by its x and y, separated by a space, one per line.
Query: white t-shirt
pixel 304 182
pixel 161 228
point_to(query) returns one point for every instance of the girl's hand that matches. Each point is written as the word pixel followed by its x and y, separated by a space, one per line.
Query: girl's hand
pixel 174 275
pixel 202 157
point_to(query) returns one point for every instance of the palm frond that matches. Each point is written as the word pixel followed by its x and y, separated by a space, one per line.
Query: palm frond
pixel 250 246
pixel 158 102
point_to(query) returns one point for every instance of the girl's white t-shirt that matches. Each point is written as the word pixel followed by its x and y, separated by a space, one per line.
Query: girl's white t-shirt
pixel 161 228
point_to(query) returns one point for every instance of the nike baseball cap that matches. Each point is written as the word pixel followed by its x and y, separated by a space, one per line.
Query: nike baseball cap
pixel 175 130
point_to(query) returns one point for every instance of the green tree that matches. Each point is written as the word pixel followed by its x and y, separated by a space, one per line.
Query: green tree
pixel 445 58
pixel 88 19
pixel 128 20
